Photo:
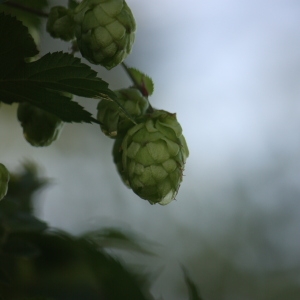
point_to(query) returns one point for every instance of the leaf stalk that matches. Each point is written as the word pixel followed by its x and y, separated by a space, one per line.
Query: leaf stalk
pixel 27 9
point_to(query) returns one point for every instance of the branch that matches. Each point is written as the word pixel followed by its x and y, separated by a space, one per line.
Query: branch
pixel 135 83
pixel 27 9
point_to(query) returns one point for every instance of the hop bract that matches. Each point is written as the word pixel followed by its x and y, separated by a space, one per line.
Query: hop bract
pixel 117 157
pixel 153 157
pixel 4 178
pixel 40 128
pixel 114 123
pixel 105 31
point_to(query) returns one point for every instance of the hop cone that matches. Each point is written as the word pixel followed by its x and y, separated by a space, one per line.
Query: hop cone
pixel 4 178
pixel 39 127
pixel 105 31
pixel 60 23
pixel 117 157
pixel 153 157
pixel 114 122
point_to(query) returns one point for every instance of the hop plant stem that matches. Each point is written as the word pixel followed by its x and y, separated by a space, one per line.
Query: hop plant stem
pixel 27 9
pixel 130 75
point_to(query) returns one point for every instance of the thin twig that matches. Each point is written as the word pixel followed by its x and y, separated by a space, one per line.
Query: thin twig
pixel 27 9
pixel 136 84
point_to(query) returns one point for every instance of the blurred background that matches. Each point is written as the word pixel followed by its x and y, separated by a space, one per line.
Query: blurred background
pixel 231 71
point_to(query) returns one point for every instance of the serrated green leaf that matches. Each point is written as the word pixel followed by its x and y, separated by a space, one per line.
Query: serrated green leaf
pixel 63 72
pixel 192 289
pixel 16 44
pixel 142 81
pixel 42 82
pixel 46 99
pixel 38 83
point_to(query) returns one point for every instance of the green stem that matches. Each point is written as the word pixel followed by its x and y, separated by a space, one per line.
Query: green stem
pixel 136 84
pixel 27 9
pixel 150 109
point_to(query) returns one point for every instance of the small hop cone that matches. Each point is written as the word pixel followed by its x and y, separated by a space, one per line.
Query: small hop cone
pixel 154 153
pixel 60 23
pixel 114 123
pixel 105 31
pixel 40 128
pixel 4 179
pixel 108 115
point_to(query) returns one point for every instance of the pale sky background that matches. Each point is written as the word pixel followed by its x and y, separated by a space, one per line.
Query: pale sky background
pixel 231 71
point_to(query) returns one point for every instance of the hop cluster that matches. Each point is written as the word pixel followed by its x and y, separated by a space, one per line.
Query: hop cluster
pixel 105 31
pixel 149 155
pixel 4 179
pixel 39 127
pixel 150 150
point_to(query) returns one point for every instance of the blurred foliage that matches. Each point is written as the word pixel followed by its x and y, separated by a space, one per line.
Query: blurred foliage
pixel 192 289
pixel 38 262
pixel 117 239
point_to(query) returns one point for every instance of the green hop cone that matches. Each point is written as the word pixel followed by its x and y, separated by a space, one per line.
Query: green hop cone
pixel 40 128
pixel 60 23
pixel 4 178
pixel 114 123
pixel 105 31
pixel 117 157
pixel 153 157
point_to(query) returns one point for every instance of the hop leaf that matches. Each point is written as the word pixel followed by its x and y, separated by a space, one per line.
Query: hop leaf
pixel 4 178
pixel 105 31
pixel 142 81
pixel 45 82
pixel 114 123
pixel 39 127
pixel 16 44
pixel 154 153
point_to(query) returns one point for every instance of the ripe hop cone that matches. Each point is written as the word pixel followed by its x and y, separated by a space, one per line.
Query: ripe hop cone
pixel 105 31
pixel 4 178
pixel 40 128
pixel 114 123
pixel 154 153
